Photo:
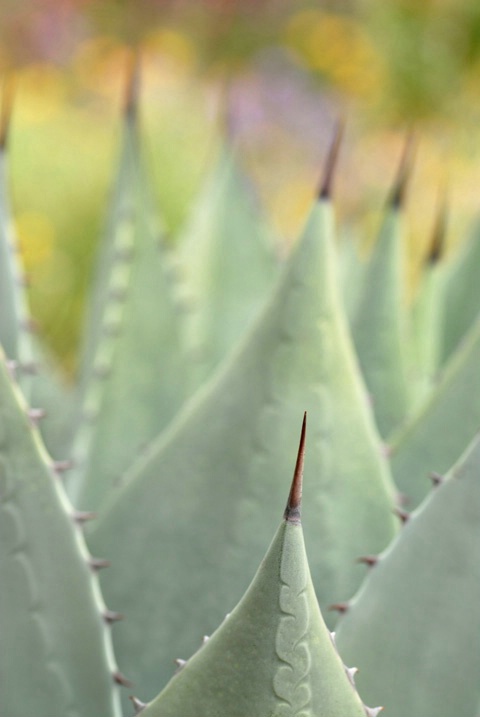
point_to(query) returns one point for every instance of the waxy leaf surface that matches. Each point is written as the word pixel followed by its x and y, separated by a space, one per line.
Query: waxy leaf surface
pixel 413 629
pixel 218 467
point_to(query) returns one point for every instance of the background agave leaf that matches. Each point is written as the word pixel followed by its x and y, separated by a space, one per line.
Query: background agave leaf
pixel 227 264
pixel 462 293
pixel 56 658
pixel 413 628
pixel 273 655
pixel 417 450
pixel 428 313
pixel 220 464
pixel 351 271
pixel 379 325
pixel 133 375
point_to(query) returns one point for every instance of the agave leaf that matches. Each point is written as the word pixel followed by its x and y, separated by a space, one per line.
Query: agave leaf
pixel 273 655
pixel 56 657
pixel 428 313
pixel 351 271
pixel 438 433
pixel 133 373
pixel 379 326
pixel 220 461
pixel 413 628
pixel 227 264
pixel 427 330
pixel 462 296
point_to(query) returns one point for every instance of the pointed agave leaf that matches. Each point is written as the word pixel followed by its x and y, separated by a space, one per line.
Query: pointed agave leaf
pixel 379 326
pixel 133 372
pixel 413 629
pixel 227 265
pixel 220 461
pixel 462 294
pixel 351 271
pixel 56 657
pixel 273 655
pixel 428 313
pixel 437 434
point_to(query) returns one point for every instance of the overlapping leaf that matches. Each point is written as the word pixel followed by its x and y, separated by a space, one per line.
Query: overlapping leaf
pixel 437 435
pixel 379 326
pixel 413 628
pixel 56 658
pixel 227 264
pixel 204 500
pixel 133 374
pixel 273 655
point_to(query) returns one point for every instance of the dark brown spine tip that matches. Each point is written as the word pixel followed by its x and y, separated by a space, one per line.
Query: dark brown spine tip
pixel 6 111
pixel 340 607
pixel 399 189
pixel 437 242
pixel 402 514
pixel 120 679
pixel 132 91
pixel 138 704
pixel 369 560
pixel 293 510
pixel 326 185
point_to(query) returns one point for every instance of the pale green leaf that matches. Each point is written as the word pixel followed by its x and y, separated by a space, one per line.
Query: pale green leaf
pixel 413 629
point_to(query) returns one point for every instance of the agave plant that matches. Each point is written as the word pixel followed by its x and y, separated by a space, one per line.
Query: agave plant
pixel 198 363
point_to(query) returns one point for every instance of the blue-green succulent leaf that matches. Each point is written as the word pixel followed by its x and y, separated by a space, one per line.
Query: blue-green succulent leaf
pixel 56 658
pixel 413 628
pixel 219 463
pixel 273 655
pixel 133 375
pixel 227 265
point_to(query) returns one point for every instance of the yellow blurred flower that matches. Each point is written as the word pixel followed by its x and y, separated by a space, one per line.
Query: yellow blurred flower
pixel 339 48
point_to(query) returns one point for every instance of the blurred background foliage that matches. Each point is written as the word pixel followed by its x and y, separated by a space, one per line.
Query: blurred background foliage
pixel 273 75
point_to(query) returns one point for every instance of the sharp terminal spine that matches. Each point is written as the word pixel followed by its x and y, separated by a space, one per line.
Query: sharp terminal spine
pixel 398 192
pixel 293 510
pixel 326 186
pixel 133 86
pixel 437 241
pixel 373 711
